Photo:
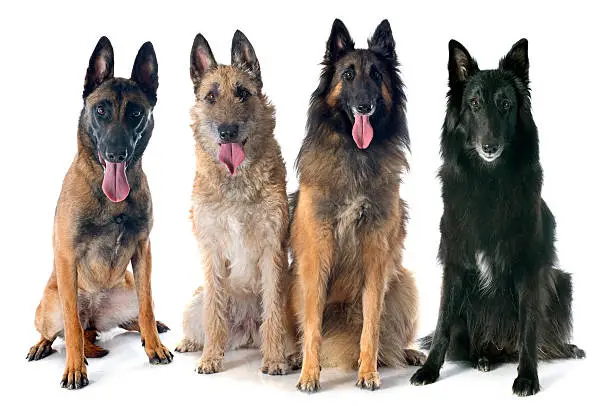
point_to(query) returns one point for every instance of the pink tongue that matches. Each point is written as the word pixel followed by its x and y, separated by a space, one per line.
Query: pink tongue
pixel 115 184
pixel 362 131
pixel 232 156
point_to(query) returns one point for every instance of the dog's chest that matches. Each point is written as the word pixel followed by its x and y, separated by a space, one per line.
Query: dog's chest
pixel 240 233
pixel 106 245
pixel 485 272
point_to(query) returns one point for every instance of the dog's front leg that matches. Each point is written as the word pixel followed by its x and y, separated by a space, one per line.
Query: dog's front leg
pixel 312 245
pixel 75 374
pixel 527 382
pixel 452 295
pixel 141 265
pixel 376 262
pixel 215 311
pixel 273 267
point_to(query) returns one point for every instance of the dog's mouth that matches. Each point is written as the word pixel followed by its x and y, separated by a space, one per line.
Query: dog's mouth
pixel 489 154
pixel 115 184
pixel 363 133
pixel 231 154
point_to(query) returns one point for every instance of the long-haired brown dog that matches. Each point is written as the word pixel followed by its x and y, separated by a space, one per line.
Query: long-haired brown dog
pixel 240 213
pixel 102 222
pixel 356 304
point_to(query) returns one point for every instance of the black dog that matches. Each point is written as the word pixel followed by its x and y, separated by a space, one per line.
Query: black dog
pixel 502 297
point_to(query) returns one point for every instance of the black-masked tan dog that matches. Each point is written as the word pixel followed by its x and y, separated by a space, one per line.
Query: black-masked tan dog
pixel 356 304
pixel 102 222
pixel 240 213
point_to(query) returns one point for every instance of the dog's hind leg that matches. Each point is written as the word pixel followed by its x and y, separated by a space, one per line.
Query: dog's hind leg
pixel 399 323
pixel 558 326
pixel 48 321
pixel 273 267
pixel 90 349
pixel 193 324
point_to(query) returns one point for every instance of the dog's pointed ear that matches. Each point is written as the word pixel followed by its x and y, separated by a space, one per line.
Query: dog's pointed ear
pixel 517 61
pixel 144 71
pixel 202 60
pixel 339 42
pixel 244 57
pixel 461 65
pixel 382 41
pixel 101 66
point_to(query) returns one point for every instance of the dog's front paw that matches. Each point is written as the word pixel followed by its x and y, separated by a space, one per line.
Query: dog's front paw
pixel 159 354
pixel 368 380
pixel 75 374
pixel 424 376
pixel 270 367
pixel 309 381
pixel 525 386
pixel 209 365
pixel 483 364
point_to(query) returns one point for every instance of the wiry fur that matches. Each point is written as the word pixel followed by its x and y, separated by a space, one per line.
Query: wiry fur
pixel 503 299
pixel 240 221
pixel 356 306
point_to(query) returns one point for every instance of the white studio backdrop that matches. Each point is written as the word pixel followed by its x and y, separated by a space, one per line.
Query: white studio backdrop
pixel 44 52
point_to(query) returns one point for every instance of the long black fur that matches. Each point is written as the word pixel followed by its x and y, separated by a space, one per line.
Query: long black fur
pixel 493 212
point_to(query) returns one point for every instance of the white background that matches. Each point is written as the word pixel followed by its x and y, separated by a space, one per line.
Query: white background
pixel 44 51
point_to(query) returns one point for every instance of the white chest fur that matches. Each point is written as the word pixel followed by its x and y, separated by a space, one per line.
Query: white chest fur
pixel 485 272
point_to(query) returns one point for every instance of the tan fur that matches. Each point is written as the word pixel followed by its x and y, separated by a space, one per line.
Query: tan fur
pixel 241 224
pixel 90 288
pixel 356 306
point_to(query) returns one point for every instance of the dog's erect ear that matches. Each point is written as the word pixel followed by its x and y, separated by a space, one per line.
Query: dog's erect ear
pixel 339 42
pixel 144 71
pixel 382 41
pixel 517 61
pixel 243 56
pixel 202 60
pixel 461 65
pixel 101 65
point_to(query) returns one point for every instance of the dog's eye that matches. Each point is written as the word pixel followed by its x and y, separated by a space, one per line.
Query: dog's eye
pixel 100 110
pixel 242 93
pixel 348 75
pixel 210 97
pixel 475 102
pixel 135 113
pixel 506 105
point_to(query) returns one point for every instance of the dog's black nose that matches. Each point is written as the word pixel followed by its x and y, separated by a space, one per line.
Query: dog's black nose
pixel 364 108
pixel 228 132
pixel 116 156
pixel 490 148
